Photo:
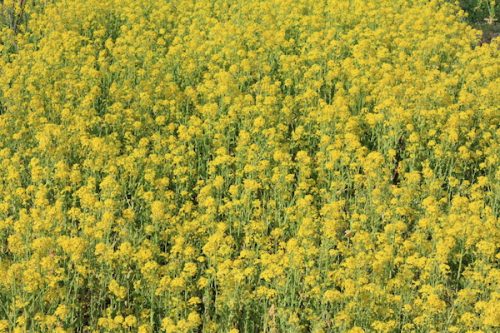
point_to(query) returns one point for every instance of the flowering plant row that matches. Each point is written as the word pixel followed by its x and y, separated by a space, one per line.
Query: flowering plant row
pixel 248 166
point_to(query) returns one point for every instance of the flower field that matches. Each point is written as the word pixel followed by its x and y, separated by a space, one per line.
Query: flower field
pixel 248 166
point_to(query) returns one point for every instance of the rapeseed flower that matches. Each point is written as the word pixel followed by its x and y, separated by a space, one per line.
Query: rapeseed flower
pixel 247 166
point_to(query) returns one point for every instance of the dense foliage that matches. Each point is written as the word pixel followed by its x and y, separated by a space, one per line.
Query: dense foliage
pixel 481 10
pixel 248 166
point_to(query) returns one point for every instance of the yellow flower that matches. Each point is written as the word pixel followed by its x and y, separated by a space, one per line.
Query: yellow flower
pixel 337 161
pixel 117 290
pixel 62 312
pixel 157 211
pixel 4 325
pixel 130 321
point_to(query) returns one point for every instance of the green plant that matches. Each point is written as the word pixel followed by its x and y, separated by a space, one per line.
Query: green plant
pixel 481 10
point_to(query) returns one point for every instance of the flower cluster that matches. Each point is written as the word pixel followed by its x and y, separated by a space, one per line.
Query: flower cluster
pixel 248 166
